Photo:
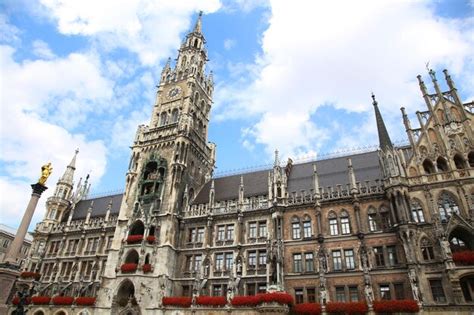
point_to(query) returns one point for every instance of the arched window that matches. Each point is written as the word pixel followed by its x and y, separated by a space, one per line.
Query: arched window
pixel 459 162
pixel 428 166
pixel 345 223
pixel 372 216
pixel 417 212
pixel 307 230
pixel 470 157
pixel 174 115
pixel 441 164
pixel 295 228
pixel 147 259
pixel 191 194
pixel 333 226
pixel 384 218
pixel 137 228
pixel 183 61
pixel 125 293
pixel 164 119
pixel 195 43
pixel 427 249
pixel 447 206
pixel 132 257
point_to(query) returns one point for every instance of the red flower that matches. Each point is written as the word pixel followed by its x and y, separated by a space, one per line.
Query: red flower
pixel 16 300
pixel 133 239
pixel 278 297
pixel 386 306
pixel 40 300
pixel 307 308
pixel 130 267
pixel 245 300
pixel 347 308
pixel 63 300
pixel 150 239
pixel 181 301
pixel 30 274
pixel 146 268
pixel 85 300
pixel 211 300
pixel 464 257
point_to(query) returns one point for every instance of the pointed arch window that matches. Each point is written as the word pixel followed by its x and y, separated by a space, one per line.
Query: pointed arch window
pixel 385 218
pixel 372 216
pixel 345 223
pixel 174 115
pixel 164 119
pixel 459 162
pixel 295 228
pixel 417 212
pixel 441 164
pixel 447 206
pixel 333 224
pixel 427 249
pixel 428 166
pixel 307 230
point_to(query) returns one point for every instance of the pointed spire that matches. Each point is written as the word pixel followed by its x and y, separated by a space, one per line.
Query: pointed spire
pixel 352 179
pixel 241 190
pixel 384 139
pixel 198 25
pixel 68 175
pixel 277 159
pixel 317 195
pixel 407 123
pixel 167 65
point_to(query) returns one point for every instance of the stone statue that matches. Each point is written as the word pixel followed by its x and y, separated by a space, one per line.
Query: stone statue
pixel 446 247
pixel 369 294
pixel 46 171
pixel 414 285
pixel 323 295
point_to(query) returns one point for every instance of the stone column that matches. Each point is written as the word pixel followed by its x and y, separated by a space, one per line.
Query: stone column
pixel 15 247
pixel 9 269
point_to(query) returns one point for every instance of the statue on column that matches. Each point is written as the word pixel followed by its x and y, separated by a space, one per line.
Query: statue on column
pixel 46 171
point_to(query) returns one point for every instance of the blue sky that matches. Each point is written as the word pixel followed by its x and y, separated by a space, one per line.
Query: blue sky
pixel 296 76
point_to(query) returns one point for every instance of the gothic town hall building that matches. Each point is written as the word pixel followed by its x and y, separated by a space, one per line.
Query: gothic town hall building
pixel 395 223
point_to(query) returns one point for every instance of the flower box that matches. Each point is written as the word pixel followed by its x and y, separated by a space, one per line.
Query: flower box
pixel 129 267
pixel 396 306
pixel 151 239
pixel 30 275
pixel 277 297
pixel 307 308
pixel 180 301
pixel 40 300
pixel 85 300
pixel 464 257
pixel 245 300
pixel 211 300
pixel 133 239
pixel 347 308
pixel 63 300
pixel 16 300
pixel 146 268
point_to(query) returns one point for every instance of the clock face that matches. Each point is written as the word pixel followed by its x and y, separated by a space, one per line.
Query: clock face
pixel 174 92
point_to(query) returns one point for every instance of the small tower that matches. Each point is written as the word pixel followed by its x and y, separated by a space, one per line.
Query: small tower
pixel 58 204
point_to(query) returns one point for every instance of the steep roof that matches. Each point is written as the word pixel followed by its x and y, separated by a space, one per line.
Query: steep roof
pixel 99 207
pixel 331 172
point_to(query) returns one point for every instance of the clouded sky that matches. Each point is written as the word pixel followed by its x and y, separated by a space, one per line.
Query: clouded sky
pixel 292 75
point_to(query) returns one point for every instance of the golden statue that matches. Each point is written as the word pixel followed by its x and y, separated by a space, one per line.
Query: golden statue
pixel 46 170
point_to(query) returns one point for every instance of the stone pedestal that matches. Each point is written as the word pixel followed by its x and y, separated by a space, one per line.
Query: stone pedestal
pixel 8 275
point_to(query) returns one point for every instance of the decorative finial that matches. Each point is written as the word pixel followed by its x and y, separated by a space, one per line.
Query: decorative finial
pixel 46 171
pixel 374 102
pixel 200 13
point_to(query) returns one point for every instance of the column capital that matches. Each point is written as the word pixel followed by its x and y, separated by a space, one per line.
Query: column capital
pixel 38 189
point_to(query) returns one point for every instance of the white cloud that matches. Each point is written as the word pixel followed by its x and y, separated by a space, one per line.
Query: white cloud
pixel 29 91
pixel 320 54
pixel 149 28
pixel 229 44
pixel 42 50
pixel 8 33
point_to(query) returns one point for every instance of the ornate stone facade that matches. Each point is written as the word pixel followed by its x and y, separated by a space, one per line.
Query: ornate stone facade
pixel 375 225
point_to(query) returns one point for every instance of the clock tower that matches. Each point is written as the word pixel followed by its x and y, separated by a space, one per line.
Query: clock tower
pixel 170 161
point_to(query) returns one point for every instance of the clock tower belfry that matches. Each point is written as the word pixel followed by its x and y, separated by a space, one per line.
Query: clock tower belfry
pixel 171 160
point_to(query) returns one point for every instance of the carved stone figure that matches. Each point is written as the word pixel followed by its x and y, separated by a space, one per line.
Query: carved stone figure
pixel 369 293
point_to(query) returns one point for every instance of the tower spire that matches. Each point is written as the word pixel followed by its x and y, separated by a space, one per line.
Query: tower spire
pixel 68 175
pixel 198 25
pixel 384 139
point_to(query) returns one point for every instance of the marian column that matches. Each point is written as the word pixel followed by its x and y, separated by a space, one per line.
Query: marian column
pixel 9 268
